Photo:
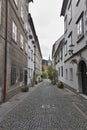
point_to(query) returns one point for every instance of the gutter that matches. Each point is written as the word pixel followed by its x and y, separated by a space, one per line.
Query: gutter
pixel 5 61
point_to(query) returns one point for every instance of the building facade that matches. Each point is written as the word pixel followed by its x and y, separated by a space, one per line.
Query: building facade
pixel 13 46
pixel 35 51
pixel 31 43
pixel 58 56
pixel 38 60
pixel 74 66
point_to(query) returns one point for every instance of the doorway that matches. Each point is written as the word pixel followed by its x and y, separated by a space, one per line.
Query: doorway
pixel 83 76
pixel 25 77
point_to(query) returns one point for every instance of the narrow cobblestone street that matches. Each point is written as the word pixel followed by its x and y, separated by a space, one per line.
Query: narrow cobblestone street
pixel 48 108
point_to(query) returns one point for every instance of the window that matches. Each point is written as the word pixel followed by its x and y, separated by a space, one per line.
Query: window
pixel 22 15
pixel 29 53
pixel 61 53
pixel 21 75
pixel 71 74
pixel 77 2
pixel 66 72
pixel 69 12
pixel 26 27
pixel 59 72
pixel 32 55
pixel 62 71
pixel 16 2
pixel 80 27
pixel 65 48
pixel 69 41
pixel 29 72
pixel 26 48
pixel 21 42
pixel 13 75
pixel 0 10
pixel 14 31
pixel 65 24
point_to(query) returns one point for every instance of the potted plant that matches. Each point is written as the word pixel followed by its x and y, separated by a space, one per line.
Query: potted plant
pixel 25 88
pixel 74 61
pixel 60 84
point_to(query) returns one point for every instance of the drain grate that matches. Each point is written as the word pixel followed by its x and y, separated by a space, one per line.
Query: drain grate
pixel 47 106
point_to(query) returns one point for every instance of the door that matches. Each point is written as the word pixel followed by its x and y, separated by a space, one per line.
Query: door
pixel 83 71
pixel 25 77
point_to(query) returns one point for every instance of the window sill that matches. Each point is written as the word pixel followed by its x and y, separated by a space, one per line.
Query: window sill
pixel 79 39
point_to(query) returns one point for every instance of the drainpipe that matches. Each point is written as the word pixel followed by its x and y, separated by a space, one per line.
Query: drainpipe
pixel 5 61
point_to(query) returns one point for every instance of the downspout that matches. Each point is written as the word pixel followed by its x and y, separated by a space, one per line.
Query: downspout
pixel 5 61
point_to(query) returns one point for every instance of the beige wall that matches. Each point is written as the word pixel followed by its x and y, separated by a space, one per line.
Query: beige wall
pixel 15 55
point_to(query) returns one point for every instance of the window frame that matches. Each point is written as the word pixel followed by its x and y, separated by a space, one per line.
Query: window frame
pixel 77 2
pixel 70 12
pixel 65 24
pixel 22 13
pixel 13 75
pixel 21 75
pixel 61 71
pixel 14 31
pixel 71 74
pixel 66 72
pixel 80 27
pixel 21 41
pixel 65 48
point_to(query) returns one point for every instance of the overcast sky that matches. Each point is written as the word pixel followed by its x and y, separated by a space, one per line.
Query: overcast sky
pixel 48 23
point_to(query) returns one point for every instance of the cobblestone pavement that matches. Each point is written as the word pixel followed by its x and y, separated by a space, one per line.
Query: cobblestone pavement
pixel 48 108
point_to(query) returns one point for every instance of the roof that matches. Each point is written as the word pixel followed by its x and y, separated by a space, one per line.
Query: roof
pixel 64 5
pixel 57 44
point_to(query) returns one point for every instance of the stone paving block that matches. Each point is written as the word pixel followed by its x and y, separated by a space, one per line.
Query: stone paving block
pixel 46 108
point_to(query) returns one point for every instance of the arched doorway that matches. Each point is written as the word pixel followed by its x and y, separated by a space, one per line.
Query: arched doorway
pixel 83 76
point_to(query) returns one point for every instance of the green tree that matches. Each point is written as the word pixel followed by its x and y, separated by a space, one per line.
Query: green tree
pixel 44 75
pixel 53 75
